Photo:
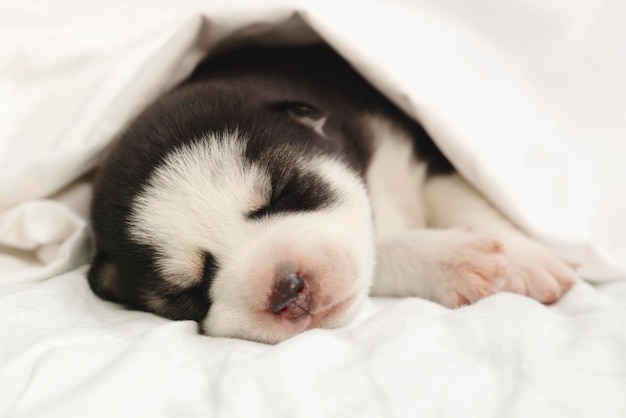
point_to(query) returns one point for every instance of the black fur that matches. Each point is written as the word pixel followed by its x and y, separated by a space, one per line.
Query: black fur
pixel 263 93
pixel 300 192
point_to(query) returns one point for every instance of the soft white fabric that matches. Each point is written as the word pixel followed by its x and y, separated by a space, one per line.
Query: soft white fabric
pixel 526 98
pixel 67 354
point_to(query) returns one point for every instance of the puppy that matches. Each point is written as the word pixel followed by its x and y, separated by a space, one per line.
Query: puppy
pixel 274 189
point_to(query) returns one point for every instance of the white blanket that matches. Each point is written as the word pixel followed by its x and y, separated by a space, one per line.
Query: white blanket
pixel 527 100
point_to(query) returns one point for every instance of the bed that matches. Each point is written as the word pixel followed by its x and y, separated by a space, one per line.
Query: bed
pixel 525 98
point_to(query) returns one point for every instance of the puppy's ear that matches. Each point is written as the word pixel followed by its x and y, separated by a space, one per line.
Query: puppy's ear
pixel 103 277
pixel 303 112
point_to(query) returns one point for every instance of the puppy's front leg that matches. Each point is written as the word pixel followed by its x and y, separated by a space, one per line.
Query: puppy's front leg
pixel 453 266
pixel 532 268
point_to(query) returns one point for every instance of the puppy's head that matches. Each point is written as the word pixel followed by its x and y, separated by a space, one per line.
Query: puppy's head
pixel 240 214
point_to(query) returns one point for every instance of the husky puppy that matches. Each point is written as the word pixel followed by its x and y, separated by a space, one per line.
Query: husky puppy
pixel 274 189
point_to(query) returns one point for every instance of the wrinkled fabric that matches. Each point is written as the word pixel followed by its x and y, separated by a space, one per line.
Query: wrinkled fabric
pixel 67 354
pixel 525 98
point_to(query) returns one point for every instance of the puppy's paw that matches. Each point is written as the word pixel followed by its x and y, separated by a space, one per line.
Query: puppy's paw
pixel 537 271
pixel 475 266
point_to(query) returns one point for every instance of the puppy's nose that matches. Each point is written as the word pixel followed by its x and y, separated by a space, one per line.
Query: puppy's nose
pixel 285 291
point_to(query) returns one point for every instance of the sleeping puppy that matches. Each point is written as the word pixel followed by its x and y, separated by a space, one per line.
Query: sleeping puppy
pixel 274 189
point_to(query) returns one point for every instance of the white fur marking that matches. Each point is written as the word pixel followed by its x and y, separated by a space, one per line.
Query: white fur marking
pixel 394 179
pixel 196 202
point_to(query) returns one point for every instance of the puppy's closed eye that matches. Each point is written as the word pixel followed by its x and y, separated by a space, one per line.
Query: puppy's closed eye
pixel 301 192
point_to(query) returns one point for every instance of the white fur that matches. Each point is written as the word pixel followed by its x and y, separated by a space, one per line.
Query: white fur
pixel 317 124
pixel 394 180
pixel 451 266
pixel 197 201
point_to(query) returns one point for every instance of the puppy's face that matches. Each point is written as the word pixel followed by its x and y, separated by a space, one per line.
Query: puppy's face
pixel 254 238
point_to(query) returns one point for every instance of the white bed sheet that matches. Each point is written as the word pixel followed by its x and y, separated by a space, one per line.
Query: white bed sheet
pixel 526 98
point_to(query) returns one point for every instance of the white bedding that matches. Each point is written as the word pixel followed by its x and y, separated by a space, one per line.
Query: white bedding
pixel 526 98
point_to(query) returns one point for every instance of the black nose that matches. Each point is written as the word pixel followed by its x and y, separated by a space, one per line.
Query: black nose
pixel 285 291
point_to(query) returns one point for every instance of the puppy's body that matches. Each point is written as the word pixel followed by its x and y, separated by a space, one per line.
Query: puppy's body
pixel 256 197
